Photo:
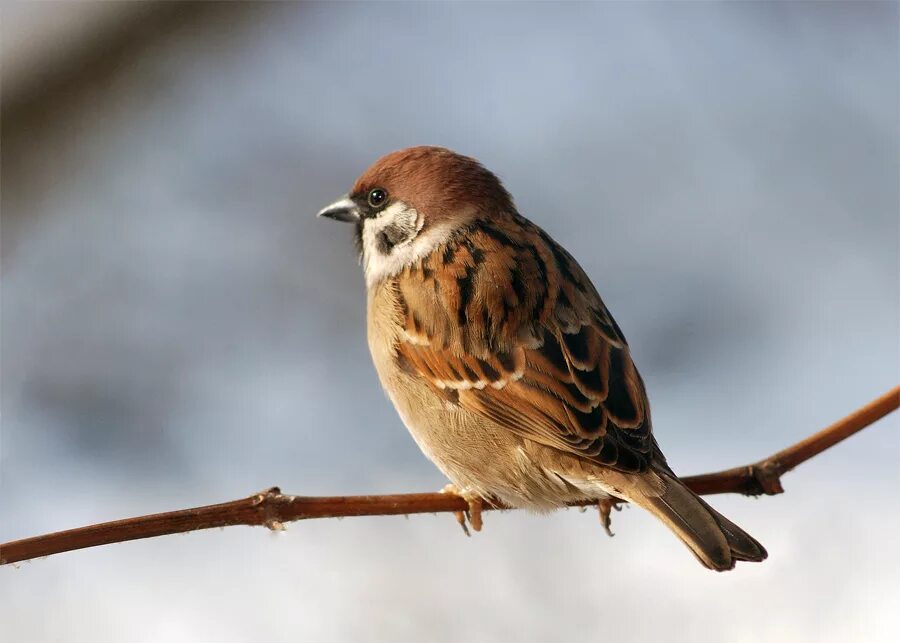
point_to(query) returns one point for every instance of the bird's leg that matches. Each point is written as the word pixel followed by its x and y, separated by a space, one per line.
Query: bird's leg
pixel 476 504
pixel 605 506
pixel 460 515
pixel 473 514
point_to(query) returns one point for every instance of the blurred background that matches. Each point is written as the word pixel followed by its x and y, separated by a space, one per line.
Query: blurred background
pixel 178 329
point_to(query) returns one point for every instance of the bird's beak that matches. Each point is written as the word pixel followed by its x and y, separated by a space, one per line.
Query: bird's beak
pixel 344 209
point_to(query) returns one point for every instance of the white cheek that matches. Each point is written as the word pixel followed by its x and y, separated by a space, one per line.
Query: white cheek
pixel 376 263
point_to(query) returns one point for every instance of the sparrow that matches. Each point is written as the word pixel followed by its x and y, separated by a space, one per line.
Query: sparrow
pixel 500 357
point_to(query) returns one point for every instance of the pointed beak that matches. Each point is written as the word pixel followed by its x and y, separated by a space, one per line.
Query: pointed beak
pixel 344 209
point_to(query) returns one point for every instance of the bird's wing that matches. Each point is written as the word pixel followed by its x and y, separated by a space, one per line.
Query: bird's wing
pixel 503 322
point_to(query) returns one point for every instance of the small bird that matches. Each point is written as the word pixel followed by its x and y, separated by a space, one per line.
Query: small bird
pixel 500 357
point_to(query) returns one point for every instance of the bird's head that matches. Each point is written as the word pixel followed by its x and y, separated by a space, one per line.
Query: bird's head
pixel 412 201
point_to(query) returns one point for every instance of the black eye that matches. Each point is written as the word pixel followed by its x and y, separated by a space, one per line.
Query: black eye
pixel 377 197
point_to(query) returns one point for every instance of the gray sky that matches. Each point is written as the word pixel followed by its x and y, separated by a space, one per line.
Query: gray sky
pixel 178 329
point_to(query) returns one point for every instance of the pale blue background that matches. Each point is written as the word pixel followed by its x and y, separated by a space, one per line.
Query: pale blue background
pixel 178 329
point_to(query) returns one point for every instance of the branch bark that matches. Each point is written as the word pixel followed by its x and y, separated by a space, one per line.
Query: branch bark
pixel 272 509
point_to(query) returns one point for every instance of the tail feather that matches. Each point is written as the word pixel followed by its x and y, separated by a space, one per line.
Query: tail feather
pixel 716 541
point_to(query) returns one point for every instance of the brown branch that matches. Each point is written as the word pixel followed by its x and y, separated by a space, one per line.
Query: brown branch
pixel 273 508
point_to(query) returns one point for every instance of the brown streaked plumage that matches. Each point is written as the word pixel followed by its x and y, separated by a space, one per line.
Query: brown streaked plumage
pixel 500 356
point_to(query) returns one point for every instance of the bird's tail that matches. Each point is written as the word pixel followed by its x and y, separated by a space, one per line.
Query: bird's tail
pixel 716 541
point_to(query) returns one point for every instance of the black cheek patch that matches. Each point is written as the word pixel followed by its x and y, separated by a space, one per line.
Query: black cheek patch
pixel 384 243
pixel 390 236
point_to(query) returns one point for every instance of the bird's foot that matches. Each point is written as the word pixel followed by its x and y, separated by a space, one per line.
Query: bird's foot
pixel 605 506
pixel 472 515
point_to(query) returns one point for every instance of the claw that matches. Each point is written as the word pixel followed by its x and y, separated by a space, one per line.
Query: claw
pixel 461 519
pixel 604 507
pixel 472 515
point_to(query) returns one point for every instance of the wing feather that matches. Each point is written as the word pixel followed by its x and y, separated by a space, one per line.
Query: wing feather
pixel 504 322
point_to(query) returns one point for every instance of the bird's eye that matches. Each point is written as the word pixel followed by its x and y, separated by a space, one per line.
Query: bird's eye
pixel 377 197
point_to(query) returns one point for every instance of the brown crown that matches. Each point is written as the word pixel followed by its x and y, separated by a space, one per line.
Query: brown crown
pixel 437 182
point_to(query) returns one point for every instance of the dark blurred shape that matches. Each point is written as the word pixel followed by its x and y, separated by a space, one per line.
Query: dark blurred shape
pixel 58 55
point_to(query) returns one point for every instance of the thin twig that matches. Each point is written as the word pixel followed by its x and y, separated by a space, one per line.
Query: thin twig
pixel 273 508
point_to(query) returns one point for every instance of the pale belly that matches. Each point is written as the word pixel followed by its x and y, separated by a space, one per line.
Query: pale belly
pixel 479 456
pixel 482 458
